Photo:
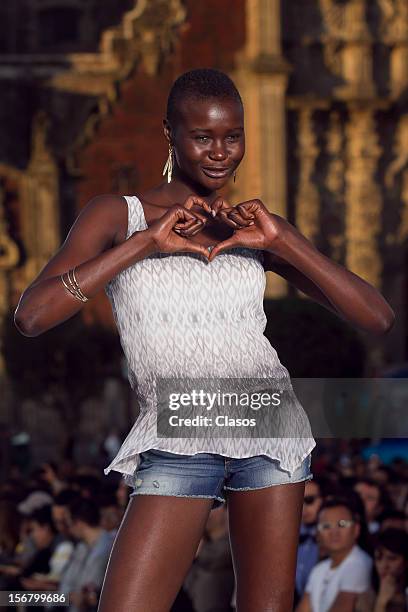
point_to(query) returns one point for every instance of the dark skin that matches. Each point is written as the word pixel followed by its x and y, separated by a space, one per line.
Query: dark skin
pixel 159 535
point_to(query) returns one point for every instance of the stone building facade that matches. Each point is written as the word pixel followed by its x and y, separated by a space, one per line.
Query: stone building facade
pixel 324 83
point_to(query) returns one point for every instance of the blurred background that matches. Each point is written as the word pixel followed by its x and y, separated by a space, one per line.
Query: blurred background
pixel 84 88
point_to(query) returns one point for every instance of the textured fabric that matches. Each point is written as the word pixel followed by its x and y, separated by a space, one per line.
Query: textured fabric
pixel 181 316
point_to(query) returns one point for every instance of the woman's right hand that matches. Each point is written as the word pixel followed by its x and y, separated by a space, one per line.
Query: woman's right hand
pixel 386 591
pixel 163 231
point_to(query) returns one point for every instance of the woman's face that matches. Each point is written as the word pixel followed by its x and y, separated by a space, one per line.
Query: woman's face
pixel 208 140
pixel 388 563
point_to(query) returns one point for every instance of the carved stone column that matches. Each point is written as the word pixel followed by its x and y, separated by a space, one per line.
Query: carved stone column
pixel 307 197
pixel 262 78
pixel 40 209
pixel 363 196
pixel 9 256
pixel 334 181
pixel 394 31
pixel 347 47
pixel 399 167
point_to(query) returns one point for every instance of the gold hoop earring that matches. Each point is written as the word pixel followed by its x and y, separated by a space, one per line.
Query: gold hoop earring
pixel 235 175
pixel 168 167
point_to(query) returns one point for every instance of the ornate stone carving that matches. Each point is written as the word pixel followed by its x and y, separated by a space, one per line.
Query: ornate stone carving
pixel 334 180
pixel 347 47
pixel 399 166
pixel 394 32
pixel 145 36
pixel 39 197
pixel 363 196
pixel 402 234
pixel 307 198
pixel 401 152
pixel 262 77
pixel 9 256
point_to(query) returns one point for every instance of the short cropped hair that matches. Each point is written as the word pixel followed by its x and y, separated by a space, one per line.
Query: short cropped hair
pixel 199 84
pixel 345 502
pixel 43 517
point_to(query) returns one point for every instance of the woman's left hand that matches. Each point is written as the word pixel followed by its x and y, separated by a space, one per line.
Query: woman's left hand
pixel 255 227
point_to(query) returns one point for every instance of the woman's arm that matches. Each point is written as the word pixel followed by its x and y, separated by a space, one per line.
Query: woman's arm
pixel 353 299
pixel 46 302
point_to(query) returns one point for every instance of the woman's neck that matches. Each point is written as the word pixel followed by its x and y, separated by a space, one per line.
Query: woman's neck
pixel 181 187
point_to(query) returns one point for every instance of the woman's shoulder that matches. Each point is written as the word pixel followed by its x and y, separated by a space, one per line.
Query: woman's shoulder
pixel 112 210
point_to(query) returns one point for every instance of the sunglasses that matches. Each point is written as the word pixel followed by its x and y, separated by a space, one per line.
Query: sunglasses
pixel 342 524
pixel 310 499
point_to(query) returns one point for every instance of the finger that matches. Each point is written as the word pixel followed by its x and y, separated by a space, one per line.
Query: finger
pixel 222 246
pixel 235 216
pixel 183 215
pixel 244 212
pixel 187 224
pixel 194 248
pixel 197 227
pixel 193 199
pixel 219 204
pixel 226 219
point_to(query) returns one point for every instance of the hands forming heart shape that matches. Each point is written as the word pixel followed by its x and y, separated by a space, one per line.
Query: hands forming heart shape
pixel 254 226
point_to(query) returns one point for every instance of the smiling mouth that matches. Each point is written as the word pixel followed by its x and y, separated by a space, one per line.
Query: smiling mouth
pixel 216 174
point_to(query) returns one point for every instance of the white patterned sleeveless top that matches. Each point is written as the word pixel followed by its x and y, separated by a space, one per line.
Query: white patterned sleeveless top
pixel 179 315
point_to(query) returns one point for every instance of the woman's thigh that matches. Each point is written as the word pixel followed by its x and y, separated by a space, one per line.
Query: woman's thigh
pixel 153 551
pixel 264 530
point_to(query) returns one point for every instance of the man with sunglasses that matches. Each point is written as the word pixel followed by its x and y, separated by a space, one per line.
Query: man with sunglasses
pixel 335 583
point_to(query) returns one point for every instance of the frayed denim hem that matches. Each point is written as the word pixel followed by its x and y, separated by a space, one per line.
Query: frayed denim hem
pixel 273 484
pixel 213 497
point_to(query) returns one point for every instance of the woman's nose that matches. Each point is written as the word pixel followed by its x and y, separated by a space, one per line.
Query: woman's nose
pixel 218 151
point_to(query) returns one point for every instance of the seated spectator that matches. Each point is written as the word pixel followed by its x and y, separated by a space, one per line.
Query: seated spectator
pixel 390 575
pixel 44 535
pixel 49 473
pixel 88 485
pixel 86 569
pixel 397 490
pixel 63 545
pixel 374 501
pixel 335 583
pixel 60 511
pixel 111 513
pixel 308 550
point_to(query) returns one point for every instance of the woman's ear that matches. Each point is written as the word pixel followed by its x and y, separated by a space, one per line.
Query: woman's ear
pixel 167 130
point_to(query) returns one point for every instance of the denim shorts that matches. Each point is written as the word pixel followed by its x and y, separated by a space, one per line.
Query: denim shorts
pixel 208 475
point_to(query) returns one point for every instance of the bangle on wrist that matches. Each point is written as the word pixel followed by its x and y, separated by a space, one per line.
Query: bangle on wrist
pixel 71 284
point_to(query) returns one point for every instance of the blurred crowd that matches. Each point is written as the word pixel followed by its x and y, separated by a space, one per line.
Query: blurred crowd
pixel 58 525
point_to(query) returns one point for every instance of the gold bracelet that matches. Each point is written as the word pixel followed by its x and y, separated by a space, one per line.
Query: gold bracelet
pixel 74 284
pixel 71 290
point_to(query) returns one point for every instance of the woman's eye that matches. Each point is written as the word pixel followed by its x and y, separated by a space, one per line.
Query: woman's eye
pixel 233 137
pixel 201 138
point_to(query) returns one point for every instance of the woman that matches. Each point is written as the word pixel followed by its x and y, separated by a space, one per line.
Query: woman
pixel 390 574
pixel 184 271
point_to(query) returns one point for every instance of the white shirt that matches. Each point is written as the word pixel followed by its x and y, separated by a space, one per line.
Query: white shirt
pixel 325 583
pixel 179 316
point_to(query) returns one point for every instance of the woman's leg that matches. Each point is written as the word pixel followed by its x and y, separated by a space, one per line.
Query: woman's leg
pixel 264 531
pixel 152 553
